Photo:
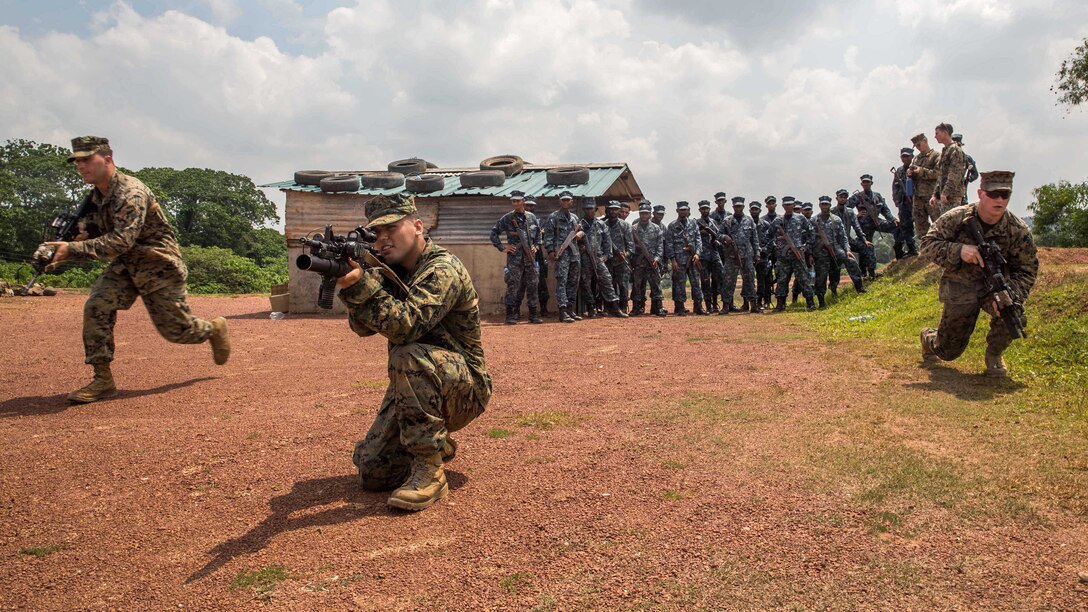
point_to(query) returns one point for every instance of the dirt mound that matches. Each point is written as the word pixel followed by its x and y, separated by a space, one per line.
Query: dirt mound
pixel 1062 257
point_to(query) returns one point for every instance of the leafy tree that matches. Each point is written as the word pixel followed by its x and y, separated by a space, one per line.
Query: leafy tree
pixel 1061 214
pixel 216 270
pixel 1072 86
pixel 36 181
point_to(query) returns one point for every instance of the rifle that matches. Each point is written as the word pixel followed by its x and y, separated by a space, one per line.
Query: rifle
pixel 525 248
pixel 687 247
pixel 789 241
pixel 329 256
pixel 1010 310
pixel 646 254
pixel 824 240
pixel 569 239
pixel 732 244
pixel 65 226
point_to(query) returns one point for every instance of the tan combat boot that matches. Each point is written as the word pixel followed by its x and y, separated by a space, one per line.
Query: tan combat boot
pixel 449 449
pixel 929 358
pixel 995 366
pixel 220 341
pixel 101 387
pixel 426 485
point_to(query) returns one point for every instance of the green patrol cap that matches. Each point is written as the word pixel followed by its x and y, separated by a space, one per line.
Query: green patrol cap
pixel 86 146
pixel 995 180
pixel 383 210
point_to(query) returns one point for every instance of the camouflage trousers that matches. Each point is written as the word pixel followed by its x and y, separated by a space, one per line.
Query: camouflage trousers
pixel 765 278
pixel 542 281
pixel 747 272
pixel 621 279
pixel 521 279
pixel 922 215
pixel 784 267
pixel 957 324
pixel 567 276
pixel 113 291
pixel 904 234
pixel 603 278
pixel 686 271
pixel 853 270
pixel 713 273
pixel 645 274
pixel 431 393
pixel 824 267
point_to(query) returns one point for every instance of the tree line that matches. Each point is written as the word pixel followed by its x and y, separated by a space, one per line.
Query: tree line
pixel 221 219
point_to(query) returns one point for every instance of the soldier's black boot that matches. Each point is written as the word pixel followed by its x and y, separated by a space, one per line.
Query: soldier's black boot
pixel 544 309
pixel 511 318
pixel 614 310
pixel 534 316
pixel 835 291
pixel 780 305
pixel 733 308
pixel 657 308
pixel 811 303
pixel 820 299
pixel 859 286
pixel 564 315
pixel 796 296
pixel 678 308
pixel 573 312
pixel 699 309
pixel 638 308
pixel 744 307
pixel 756 307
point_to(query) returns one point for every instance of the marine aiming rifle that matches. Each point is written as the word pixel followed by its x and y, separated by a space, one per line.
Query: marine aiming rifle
pixel 1009 308
pixel 329 256
pixel 65 226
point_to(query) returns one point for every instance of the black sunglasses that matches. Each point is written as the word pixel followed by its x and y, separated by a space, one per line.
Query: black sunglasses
pixel 999 194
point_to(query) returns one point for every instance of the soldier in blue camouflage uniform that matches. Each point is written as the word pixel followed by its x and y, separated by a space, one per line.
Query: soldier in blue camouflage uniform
pixel 684 245
pixel 711 258
pixel 745 239
pixel 561 232
pixel 619 264
pixel 438 382
pixel 596 249
pixel 869 226
pixel 881 217
pixel 134 235
pixel 801 233
pixel 905 245
pixel 521 274
pixel 854 237
pixel 720 213
pixel 831 247
pixel 806 212
pixel 648 261
pixel 766 279
pixel 656 219
pixel 541 260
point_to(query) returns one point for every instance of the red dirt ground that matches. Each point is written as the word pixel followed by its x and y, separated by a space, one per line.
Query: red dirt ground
pixel 160 497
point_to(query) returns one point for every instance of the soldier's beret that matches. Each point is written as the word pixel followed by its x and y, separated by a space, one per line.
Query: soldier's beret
pixel 566 195
pixel 517 195
pixel 738 200
pixel 86 146
pixel 866 177
pixel 788 199
pixel 659 208
pixel 613 204
pixel 996 179
pixel 806 206
pixel 842 192
pixel 682 205
pixel 644 206
pixel 770 199
pixel 383 210
pixel 825 199
pixel 917 138
pixel 589 203
pixel 704 204
pixel 719 196
pixel 906 151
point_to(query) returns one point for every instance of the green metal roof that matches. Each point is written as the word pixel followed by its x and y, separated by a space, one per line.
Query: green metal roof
pixel 532 180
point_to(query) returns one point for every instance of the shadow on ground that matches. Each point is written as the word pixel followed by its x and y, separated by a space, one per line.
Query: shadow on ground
pixel 52 404
pixel 967 387
pixel 349 502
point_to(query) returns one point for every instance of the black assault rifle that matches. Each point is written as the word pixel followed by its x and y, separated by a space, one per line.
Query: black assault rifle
pixel 65 226
pixel 1009 308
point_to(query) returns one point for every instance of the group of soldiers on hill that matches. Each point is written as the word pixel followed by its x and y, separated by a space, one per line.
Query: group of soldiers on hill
pixel 603 265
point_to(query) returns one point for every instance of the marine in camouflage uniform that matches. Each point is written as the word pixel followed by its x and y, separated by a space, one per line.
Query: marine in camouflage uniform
pixel 786 263
pixel 710 256
pixel 684 245
pixel 745 236
pixel 766 280
pixel 438 381
pixel 647 261
pixel 521 274
pixel 923 173
pixel 541 261
pixel 951 171
pixel 560 225
pixel 963 285
pixel 619 264
pixel 132 233
pixel 905 246
pixel 831 249
pixel 596 247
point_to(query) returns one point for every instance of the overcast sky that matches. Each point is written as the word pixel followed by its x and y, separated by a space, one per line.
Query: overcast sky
pixel 750 98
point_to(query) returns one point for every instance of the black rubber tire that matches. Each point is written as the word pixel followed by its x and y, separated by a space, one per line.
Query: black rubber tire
pixel 509 164
pixel 382 180
pixel 431 166
pixel 424 183
pixel 483 178
pixel 412 165
pixel 568 175
pixel 311 177
pixel 340 183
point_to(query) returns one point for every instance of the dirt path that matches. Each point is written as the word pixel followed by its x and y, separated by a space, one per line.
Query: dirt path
pixel 616 467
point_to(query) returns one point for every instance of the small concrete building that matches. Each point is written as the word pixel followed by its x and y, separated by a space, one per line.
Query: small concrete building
pixel 456 217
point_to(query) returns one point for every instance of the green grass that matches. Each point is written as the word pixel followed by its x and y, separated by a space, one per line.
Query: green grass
pixel 499 434
pixel 263 582
pixel 672 495
pixel 370 384
pixel 713 408
pixel 548 419
pixel 671 464
pixel 42 551
pixel 515 581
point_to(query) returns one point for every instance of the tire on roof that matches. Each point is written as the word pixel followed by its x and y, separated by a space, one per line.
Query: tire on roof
pixel 382 180
pixel 509 164
pixel 424 183
pixel 340 183
pixel 568 175
pixel 412 165
pixel 483 178
pixel 311 177
pixel 431 166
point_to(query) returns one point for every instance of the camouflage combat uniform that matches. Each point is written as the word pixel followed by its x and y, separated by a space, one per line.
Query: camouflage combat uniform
pixel 951 172
pixel 905 243
pixel 568 265
pixel 829 232
pixel 521 273
pixel 786 263
pixel 146 263
pixel 746 241
pixel 963 285
pixel 850 227
pixel 925 182
pixel 881 220
pixel 620 267
pixel 596 244
pixel 769 259
pixel 710 256
pixel 438 382
pixel 681 251
pixel 652 238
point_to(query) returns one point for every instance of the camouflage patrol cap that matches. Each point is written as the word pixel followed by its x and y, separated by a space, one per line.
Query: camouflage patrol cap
pixel 738 200
pixel 788 199
pixel 825 199
pixel 86 146
pixel 753 204
pixel 517 194
pixel 918 138
pixel 566 195
pixel 806 206
pixel 682 205
pixel 719 196
pixel 770 199
pixel 644 206
pixel 958 138
pixel 530 200
pixel 589 203
pixel 613 204
pixel 906 151
pixel 996 180
pixel 866 177
pixel 842 192
pixel 659 208
pixel 704 204
pixel 383 210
